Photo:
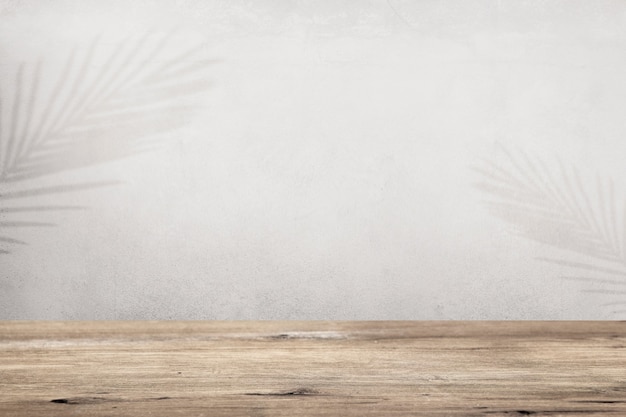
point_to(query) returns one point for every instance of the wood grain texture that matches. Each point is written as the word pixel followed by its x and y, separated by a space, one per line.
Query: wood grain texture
pixel 424 368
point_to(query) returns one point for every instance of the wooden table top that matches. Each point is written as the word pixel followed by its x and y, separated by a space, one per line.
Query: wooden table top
pixel 291 368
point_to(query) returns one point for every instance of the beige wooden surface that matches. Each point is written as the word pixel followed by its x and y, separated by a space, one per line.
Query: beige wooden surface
pixel 62 369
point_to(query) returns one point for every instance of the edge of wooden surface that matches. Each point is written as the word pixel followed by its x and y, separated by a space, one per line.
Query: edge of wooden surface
pixel 27 330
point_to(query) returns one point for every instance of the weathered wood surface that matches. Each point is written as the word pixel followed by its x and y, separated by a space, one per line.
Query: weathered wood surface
pixel 62 369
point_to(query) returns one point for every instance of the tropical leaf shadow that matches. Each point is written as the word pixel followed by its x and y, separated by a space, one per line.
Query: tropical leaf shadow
pixel 103 106
pixel 553 204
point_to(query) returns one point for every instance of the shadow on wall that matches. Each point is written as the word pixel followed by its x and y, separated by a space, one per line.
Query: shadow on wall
pixel 553 204
pixel 107 103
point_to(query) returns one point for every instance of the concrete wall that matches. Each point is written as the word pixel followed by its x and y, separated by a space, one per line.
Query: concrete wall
pixel 312 159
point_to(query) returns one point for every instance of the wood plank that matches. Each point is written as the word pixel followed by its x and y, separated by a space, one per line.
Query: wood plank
pixel 423 368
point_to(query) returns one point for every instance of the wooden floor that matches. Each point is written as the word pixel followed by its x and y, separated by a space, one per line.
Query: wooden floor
pixel 62 369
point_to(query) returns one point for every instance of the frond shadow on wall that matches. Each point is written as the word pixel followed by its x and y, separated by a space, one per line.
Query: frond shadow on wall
pixel 105 104
pixel 555 205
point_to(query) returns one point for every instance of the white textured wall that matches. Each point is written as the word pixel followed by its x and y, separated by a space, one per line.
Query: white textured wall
pixel 315 160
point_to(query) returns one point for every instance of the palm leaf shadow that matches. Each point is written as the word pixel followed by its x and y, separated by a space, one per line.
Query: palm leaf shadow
pixel 96 111
pixel 552 204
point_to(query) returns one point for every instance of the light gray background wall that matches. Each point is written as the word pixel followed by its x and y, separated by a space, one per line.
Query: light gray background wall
pixel 313 159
